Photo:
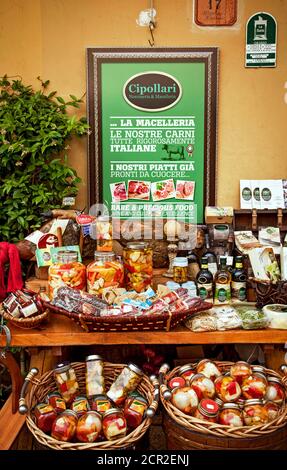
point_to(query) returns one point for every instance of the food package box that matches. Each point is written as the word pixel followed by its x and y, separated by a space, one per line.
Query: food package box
pixel 264 264
pixel 214 215
pixel 246 241
pixel 270 236
pixel 271 194
pixel 245 194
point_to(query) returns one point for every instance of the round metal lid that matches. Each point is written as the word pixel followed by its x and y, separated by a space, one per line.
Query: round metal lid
pixel 137 245
pixel 233 406
pixel 62 367
pixel 111 411
pixel 185 368
pixel 93 412
pixel 99 397
pixel 135 368
pixel 253 401
pixel 94 357
pixel 70 413
pixel 208 407
pixel 197 376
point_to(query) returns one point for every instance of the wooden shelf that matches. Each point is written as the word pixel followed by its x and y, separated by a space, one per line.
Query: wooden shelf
pixel 63 332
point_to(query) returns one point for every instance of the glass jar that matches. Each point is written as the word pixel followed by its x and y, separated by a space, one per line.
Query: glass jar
pixel 187 372
pixel 64 426
pixel 185 399
pixel 176 382
pixel 105 271
pixel 126 382
pixel 254 386
pixel 104 233
pixel 207 410
pixel 208 368
pixel 134 411
pixel 45 416
pixel 89 427
pixel 138 266
pixel 180 269
pixel 275 390
pixel 80 405
pixel 56 401
pixel 67 271
pixel 114 424
pixel 203 387
pixel 230 415
pixel 272 410
pixel 100 403
pixel 254 413
pixel 66 381
pixel 95 380
pixel 240 370
pixel 227 388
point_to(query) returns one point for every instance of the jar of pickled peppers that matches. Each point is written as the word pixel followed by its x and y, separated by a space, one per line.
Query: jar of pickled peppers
pixel 227 388
pixel 45 416
pixel 67 271
pixel 275 391
pixel 126 382
pixel 100 403
pixel 207 410
pixel 95 380
pixel 255 413
pixel 134 410
pixel 187 372
pixel 57 402
pixel 104 233
pixel 185 399
pixel 114 424
pixel 138 266
pixel 254 386
pixel 66 381
pixel 208 368
pixel 230 415
pixel 64 426
pixel 89 427
pixel 203 386
pixel 80 405
pixel 272 410
pixel 105 271
pixel 240 370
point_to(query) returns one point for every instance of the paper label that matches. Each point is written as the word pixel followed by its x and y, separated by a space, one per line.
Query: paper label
pixel 238 290
pixel 205 291
pixel 34 237
pixel 222 294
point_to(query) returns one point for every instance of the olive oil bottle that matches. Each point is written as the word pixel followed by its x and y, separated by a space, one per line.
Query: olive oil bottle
pixel 222 283
pixel 204 281
pixel 239 281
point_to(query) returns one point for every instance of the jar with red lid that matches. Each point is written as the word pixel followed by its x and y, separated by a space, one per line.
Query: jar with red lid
pixel 208 368
pixel 275 390
pixel 187 372
pixel 227 388
pixel 231 415
pixel 56 401
pixel 95 380
pixel 100 403
pixel 207 410
pixel 272 410
pixel 67 271
pixel 255 413
pixel 80 405
pixel 254 386
pixel 126 382
pixel 176 382
pixel 134 411
pixel 45 416
pixel 114 424
pixel 66 380
pixel 89 427
pixel 185 399
pixel 64 426
pixel 240 370
pixel 203 387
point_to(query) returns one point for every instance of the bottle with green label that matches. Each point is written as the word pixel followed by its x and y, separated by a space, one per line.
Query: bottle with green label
pixel 204 281
pixel 222 282
pixel 239 281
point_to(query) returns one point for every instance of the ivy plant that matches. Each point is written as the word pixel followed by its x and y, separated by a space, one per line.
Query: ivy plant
pixel 35 129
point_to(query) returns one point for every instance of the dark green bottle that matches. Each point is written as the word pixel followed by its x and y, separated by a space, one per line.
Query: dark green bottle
pixel 204 281
pixel 239 281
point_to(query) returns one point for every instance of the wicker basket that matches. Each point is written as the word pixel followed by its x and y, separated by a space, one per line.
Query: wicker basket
pixel 26 323
pixel 192 433
pixel 46 384
pixel 267 293
pixel 164 321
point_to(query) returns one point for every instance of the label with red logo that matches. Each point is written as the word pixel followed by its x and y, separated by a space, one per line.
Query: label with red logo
pixel 49 239
pixel 84 219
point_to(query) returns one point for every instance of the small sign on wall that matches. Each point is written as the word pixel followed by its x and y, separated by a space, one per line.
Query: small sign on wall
pixel 215 12
pixel 261 41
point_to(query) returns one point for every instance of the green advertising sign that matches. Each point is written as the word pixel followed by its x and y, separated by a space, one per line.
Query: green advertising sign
pixel 152 148
pixel 261 37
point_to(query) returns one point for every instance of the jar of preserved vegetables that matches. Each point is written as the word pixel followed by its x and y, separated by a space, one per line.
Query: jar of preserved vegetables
pixel 272 410
pixel 80 405
pixel 126 382
pixel 114 424
pixel 137 258
pixel 176 382
pixel 56 401
pixel 89 427
pixel 104 233
pixel 67 271
pixel 227 388
pixel 230 415
pixel 208 368
pixel 240 370
pixel 254 413
pixel 100 403
pixel 105 271
pixel 207 410
pixel 203 387
pixel 254 386
pixel 180 269
pixel 185 399
pixel 275 391
pixel 66 380
pixel 45 416
pixel 64 426
pixel 134 411
pixel 187 372
pixel 95 380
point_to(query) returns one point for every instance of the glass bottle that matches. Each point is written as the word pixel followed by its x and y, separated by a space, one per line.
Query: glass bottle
pixel 138 267
pixel 114 424
pixel 211 257
pixel 239 281
pixel 193 265
pixel 67 271
pixel 180 269
pixel 126 382
pixel 231 415
pixel 104 271
pixel 89 427
pixel 104 233
pixel 185 399
pixel 65 425
pixel 222 281
pixel 204 281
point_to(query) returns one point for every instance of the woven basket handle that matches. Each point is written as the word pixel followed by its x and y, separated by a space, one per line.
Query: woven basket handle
pixel 23 408
pixel 151 411
pixel 161 377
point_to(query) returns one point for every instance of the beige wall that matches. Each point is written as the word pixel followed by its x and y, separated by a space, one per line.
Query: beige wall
pixel 49 37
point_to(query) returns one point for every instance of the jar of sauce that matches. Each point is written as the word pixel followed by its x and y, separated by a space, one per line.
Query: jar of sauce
pixel 203 387
pixel 66 381
pixel 89 427
pixel 67 271
pixel 207 410
pixel 114 424
pixel 126 382
pixel 105 271
pixel 230 415
pixel 45 416
pixel 64 426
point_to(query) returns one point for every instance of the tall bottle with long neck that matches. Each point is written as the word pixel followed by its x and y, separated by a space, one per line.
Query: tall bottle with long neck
pixel 239 281
pixel 222 283
pixel 204 281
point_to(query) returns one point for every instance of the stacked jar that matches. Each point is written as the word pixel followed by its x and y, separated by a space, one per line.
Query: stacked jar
pixel 67 271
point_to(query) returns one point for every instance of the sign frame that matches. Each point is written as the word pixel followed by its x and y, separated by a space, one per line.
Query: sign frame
pixel 96 57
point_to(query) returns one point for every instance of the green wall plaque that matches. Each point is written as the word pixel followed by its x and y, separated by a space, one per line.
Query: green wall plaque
pixel 261 38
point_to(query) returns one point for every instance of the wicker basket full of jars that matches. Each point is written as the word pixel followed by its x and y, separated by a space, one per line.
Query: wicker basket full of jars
pixel 224 405
pixel 93 405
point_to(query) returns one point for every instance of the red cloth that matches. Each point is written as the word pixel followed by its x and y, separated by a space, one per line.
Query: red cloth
pixel 10 254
